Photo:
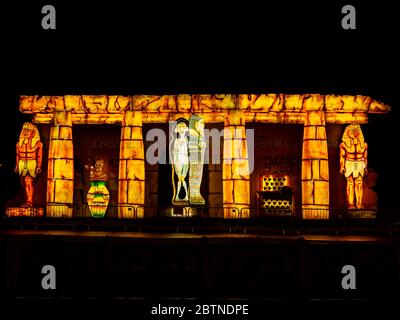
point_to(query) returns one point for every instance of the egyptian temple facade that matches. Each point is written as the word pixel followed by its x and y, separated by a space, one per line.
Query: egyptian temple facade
pixel 295 150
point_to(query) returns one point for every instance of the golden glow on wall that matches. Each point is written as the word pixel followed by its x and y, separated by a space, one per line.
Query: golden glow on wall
pixel 24 212
pixel 60 170
pixel 315 168
pixel 271 108
pixel 235 168
pixel 131 167
pixel 312 110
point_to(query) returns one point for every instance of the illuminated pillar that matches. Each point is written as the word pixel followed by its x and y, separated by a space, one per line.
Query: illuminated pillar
pixel 315 168
pixel 131 183
pixel 60 172
pixel 235 169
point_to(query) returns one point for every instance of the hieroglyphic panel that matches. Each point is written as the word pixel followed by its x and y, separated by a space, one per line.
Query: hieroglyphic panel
pixel 346 103
pixel 203 103
pixel 131 181
pixel 235 168
pixel 152 103
pixel 60 172
pixel 261 102
pixel 315 169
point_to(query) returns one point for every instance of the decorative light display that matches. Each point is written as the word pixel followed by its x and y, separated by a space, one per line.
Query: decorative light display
pixel 29 155
pixel 313 111
pixel 315 167
pixel 276 195
pixel 274 183
pixel 235 167
pixel 188 156
pixel 60 169
pixel 98 195
pixel 29 159
pixel 131 184
pixel 180 161
pixel 353 164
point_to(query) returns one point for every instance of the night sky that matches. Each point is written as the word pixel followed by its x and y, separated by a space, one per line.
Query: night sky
pixel 166 49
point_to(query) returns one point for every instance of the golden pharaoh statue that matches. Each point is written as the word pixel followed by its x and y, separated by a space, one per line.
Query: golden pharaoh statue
pixel 29 158
pixel 353 164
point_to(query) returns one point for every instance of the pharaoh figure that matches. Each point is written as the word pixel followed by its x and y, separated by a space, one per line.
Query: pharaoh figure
pixel 353 164
pixel 29 158
pixel 197 147
pixel 180 159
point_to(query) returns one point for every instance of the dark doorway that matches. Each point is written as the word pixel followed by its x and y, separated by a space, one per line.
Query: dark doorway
pixel 92 142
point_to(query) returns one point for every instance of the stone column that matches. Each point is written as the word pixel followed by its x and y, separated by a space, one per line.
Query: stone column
pixel 151 189
pixel 131 183
pixel 60 172
pixel 235 169
pixel 315 167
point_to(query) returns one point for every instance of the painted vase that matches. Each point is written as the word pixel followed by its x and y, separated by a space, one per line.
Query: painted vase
pixel 98 198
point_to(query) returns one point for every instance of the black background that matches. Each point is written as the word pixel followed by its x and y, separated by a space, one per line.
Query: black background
pixel 202 47
pixel 168 47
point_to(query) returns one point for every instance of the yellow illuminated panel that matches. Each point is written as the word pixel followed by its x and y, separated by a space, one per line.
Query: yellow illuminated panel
pixel 315 169
pixel 235 169
pixel 312 110
pixel 131 186
pixel 185 103
pixel 60 170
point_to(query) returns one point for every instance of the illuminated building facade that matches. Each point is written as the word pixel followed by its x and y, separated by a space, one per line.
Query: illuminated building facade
pixel 295 173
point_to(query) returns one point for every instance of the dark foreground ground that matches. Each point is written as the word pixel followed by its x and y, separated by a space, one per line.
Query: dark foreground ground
pixel 287 269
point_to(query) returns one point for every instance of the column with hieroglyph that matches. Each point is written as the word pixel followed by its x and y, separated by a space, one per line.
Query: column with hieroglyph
pixel 235 168
pixel 60 171
pixel 315 167
pixel 131 181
